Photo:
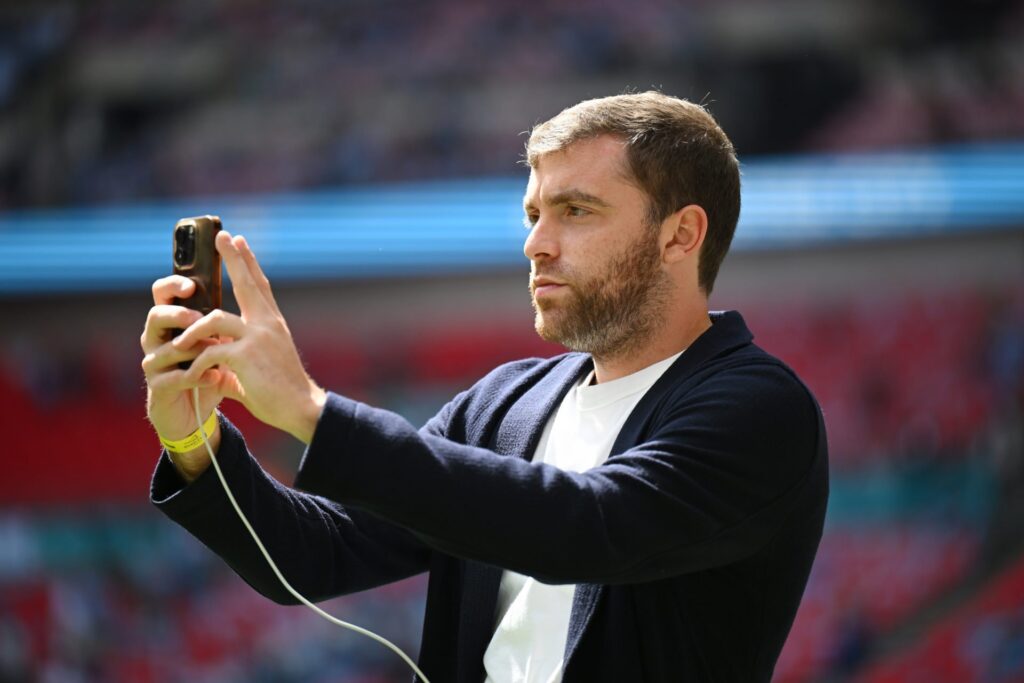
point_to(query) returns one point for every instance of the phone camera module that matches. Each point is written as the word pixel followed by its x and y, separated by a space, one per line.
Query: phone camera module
pixel 185 245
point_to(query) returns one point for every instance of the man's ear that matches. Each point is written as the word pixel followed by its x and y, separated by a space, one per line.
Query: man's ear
pixel 683 233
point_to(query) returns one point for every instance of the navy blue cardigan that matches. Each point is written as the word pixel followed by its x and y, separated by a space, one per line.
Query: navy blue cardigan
pixel 691 545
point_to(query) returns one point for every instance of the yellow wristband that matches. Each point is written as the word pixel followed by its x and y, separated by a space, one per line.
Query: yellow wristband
pixel 193 440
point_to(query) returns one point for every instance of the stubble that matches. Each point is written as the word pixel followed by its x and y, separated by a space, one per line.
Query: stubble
pixel 612 313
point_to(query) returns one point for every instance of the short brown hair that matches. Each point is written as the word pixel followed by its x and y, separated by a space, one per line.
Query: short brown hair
pixel 677 154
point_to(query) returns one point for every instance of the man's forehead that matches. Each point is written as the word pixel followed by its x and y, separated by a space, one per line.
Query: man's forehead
pixel 591 167
pixel 609 149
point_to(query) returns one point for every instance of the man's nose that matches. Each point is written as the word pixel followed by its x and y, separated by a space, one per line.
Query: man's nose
pixel 542 242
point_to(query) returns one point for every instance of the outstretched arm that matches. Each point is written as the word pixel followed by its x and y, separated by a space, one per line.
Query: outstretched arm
pixel 723 470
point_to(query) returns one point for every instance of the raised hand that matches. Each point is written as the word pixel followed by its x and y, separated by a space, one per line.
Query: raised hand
pixel 251 357
pixel 168 397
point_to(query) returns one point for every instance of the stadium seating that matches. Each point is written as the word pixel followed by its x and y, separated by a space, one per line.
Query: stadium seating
pixel 863 582
pixel 982 641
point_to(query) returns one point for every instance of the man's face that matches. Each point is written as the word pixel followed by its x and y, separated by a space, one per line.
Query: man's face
pixel 596 278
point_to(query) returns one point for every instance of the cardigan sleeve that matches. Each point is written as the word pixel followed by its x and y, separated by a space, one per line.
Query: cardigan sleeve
pixel 721 470
pixel 321 548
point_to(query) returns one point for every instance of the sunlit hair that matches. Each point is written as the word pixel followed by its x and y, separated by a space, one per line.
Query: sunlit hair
pixel 677 154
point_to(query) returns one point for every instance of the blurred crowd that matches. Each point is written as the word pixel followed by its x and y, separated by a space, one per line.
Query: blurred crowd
pixel 114 100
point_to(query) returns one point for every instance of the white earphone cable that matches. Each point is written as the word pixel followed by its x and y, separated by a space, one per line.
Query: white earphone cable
pixel 273 566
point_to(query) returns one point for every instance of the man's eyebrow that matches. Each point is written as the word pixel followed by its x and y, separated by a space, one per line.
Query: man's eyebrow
pixel 569 196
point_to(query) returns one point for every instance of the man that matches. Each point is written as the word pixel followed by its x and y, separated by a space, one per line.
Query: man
pixel 645 508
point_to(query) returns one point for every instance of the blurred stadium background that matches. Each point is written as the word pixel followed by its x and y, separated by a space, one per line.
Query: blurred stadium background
pixel 369 152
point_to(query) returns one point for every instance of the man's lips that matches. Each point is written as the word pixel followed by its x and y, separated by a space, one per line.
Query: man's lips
pixel 545 285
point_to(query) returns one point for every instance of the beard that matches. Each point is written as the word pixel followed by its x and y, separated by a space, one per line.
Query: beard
pixel 612 312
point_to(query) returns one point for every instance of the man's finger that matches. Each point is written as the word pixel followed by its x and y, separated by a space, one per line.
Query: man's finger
pixel 248 295
pixel 215 323
pixel 167 288
pixel 167 356
pixel 256 271
pixel 169 382
pixel 210 357
pixel 175 381
pixel 162 318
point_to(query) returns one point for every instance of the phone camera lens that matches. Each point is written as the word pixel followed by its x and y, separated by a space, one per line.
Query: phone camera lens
pixel 185 245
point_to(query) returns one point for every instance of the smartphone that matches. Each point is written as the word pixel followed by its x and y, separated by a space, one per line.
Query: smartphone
pixel 196 257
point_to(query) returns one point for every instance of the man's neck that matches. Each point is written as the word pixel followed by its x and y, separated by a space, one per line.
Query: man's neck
pixel 667 341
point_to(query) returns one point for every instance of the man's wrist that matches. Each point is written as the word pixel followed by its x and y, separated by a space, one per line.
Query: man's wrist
pixel 194 440
pixel 191 464
pixel 311 414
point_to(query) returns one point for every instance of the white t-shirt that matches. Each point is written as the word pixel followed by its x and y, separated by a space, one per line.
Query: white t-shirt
pixel 533 618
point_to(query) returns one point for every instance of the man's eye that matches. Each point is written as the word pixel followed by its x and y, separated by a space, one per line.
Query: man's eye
pixel 529 220
pixel 576 211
